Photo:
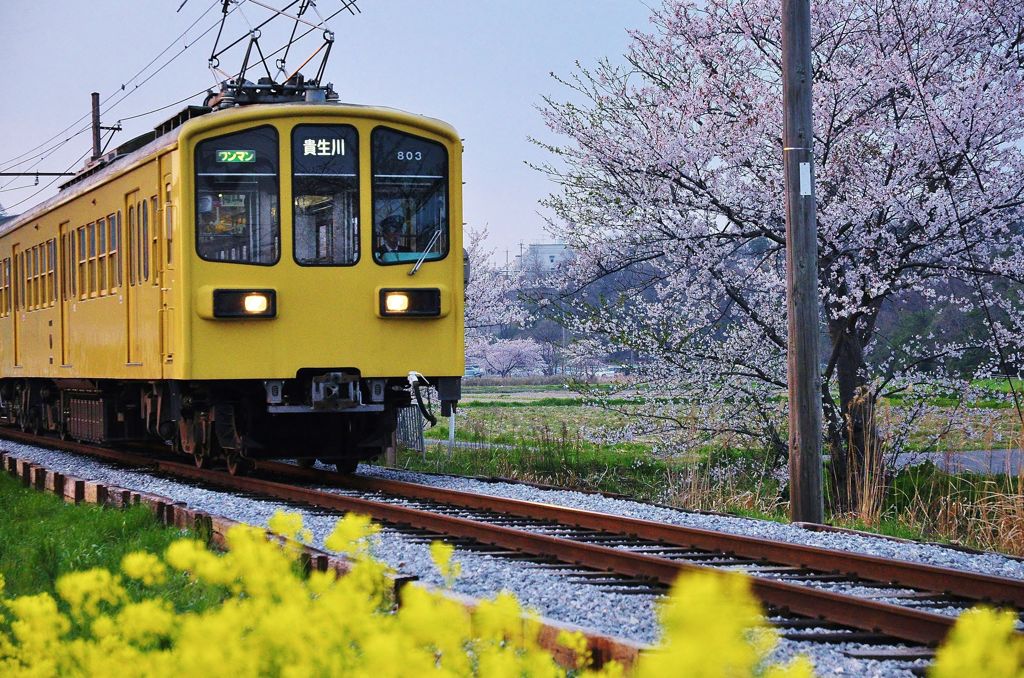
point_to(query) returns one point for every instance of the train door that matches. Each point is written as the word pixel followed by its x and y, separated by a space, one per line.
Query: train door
pixel 18 260
pixel 133 329
pixel 66 271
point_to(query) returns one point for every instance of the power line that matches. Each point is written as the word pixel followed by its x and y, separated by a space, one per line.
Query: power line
pixel 50 183
pixel 123 87
pixel 128 93
pixel 349 5
pixel 157 110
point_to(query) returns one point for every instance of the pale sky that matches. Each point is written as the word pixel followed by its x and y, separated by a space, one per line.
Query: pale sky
pixel 482 66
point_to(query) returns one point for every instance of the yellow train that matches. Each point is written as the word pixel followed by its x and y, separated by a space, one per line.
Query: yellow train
pixel 245 282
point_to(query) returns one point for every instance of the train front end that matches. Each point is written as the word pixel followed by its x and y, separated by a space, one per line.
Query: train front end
pixel 321 279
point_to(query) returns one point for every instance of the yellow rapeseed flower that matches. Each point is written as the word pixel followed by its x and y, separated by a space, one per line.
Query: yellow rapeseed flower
pixel 289 525
pixel 273 621
pixel 146 567
pixel 351 535
pixel 981 638
pixel 707 622
pixel 441 553
pixel 86 591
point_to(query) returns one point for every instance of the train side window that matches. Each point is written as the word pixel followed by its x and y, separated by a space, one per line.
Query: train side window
pixel 72 262
pixel 101 256
pixel 83 261
pixel 154 236
pixel 410 197
pixel 52 284
pixel 90 231
pixel 5 290
pixel 137 250
pixel 168 221
pixel 112 260
pixel 130 248
pixel 144 241
pixel 19 278
pixel 120 249
pixel 325 194
pixel 4 307
pixel 33 302
pixel 237 196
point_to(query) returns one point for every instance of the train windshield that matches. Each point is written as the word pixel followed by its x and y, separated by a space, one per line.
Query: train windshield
pixel 410 197
pixel 237 215
pixel 325 186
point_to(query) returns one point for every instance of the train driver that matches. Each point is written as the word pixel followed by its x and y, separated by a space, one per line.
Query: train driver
pixel 391 230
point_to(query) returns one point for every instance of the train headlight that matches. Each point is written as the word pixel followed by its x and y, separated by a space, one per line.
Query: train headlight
pixel 244 303
pixel 256 303
pixel 406 303
pixel 396 302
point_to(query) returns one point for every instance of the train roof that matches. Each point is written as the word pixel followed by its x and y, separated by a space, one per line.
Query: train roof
pixel 195 119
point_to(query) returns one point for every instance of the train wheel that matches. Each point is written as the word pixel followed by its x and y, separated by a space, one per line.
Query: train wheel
pixel 229 437
pixel 238 465
pixel 193 439
pixel 201 460
pixel 346 466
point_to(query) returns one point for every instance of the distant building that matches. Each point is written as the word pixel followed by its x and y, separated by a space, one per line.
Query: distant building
pixel 539 259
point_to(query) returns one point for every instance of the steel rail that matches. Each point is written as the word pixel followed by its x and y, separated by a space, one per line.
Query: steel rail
pixel 903 623
pixel 971 585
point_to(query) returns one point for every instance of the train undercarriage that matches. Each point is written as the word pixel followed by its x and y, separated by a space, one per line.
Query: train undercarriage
pixel 335 417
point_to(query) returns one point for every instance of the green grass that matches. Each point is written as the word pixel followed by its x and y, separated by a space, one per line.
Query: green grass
pixel 42 538
pixel 552 461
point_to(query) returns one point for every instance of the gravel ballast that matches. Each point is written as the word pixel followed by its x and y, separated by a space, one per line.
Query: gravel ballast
pixel 545 590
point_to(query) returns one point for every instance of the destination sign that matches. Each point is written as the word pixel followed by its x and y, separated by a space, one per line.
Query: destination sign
pixel 323 147
pixel 236 156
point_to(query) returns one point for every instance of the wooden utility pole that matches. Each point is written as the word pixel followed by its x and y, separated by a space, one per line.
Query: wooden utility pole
pixel 805 496
pixel 96 125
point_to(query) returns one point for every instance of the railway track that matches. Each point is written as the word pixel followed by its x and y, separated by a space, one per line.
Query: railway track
pixel 630 554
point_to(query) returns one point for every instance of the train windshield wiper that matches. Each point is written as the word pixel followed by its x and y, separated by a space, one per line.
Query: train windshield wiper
pixel 426 251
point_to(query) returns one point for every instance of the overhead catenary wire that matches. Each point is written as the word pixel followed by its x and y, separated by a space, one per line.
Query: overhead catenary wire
pixel 124 92
pixel 49 183
pixel 123 87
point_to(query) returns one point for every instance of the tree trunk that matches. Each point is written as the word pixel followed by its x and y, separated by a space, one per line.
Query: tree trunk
pixel 852 439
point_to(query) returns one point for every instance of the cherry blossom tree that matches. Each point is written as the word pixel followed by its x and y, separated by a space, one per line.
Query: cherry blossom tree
pixel 508 356
pixel 492 301
pixel 671 172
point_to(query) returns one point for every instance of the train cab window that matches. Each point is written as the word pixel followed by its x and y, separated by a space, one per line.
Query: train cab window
pixel 237 215
pixel 325 190
pixel 410 197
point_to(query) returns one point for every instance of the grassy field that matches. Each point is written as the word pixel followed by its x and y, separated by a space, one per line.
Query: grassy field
pixel 512 415
pixel 42 538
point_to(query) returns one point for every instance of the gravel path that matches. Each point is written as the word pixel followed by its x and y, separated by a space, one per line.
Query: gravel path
pixel 545 590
